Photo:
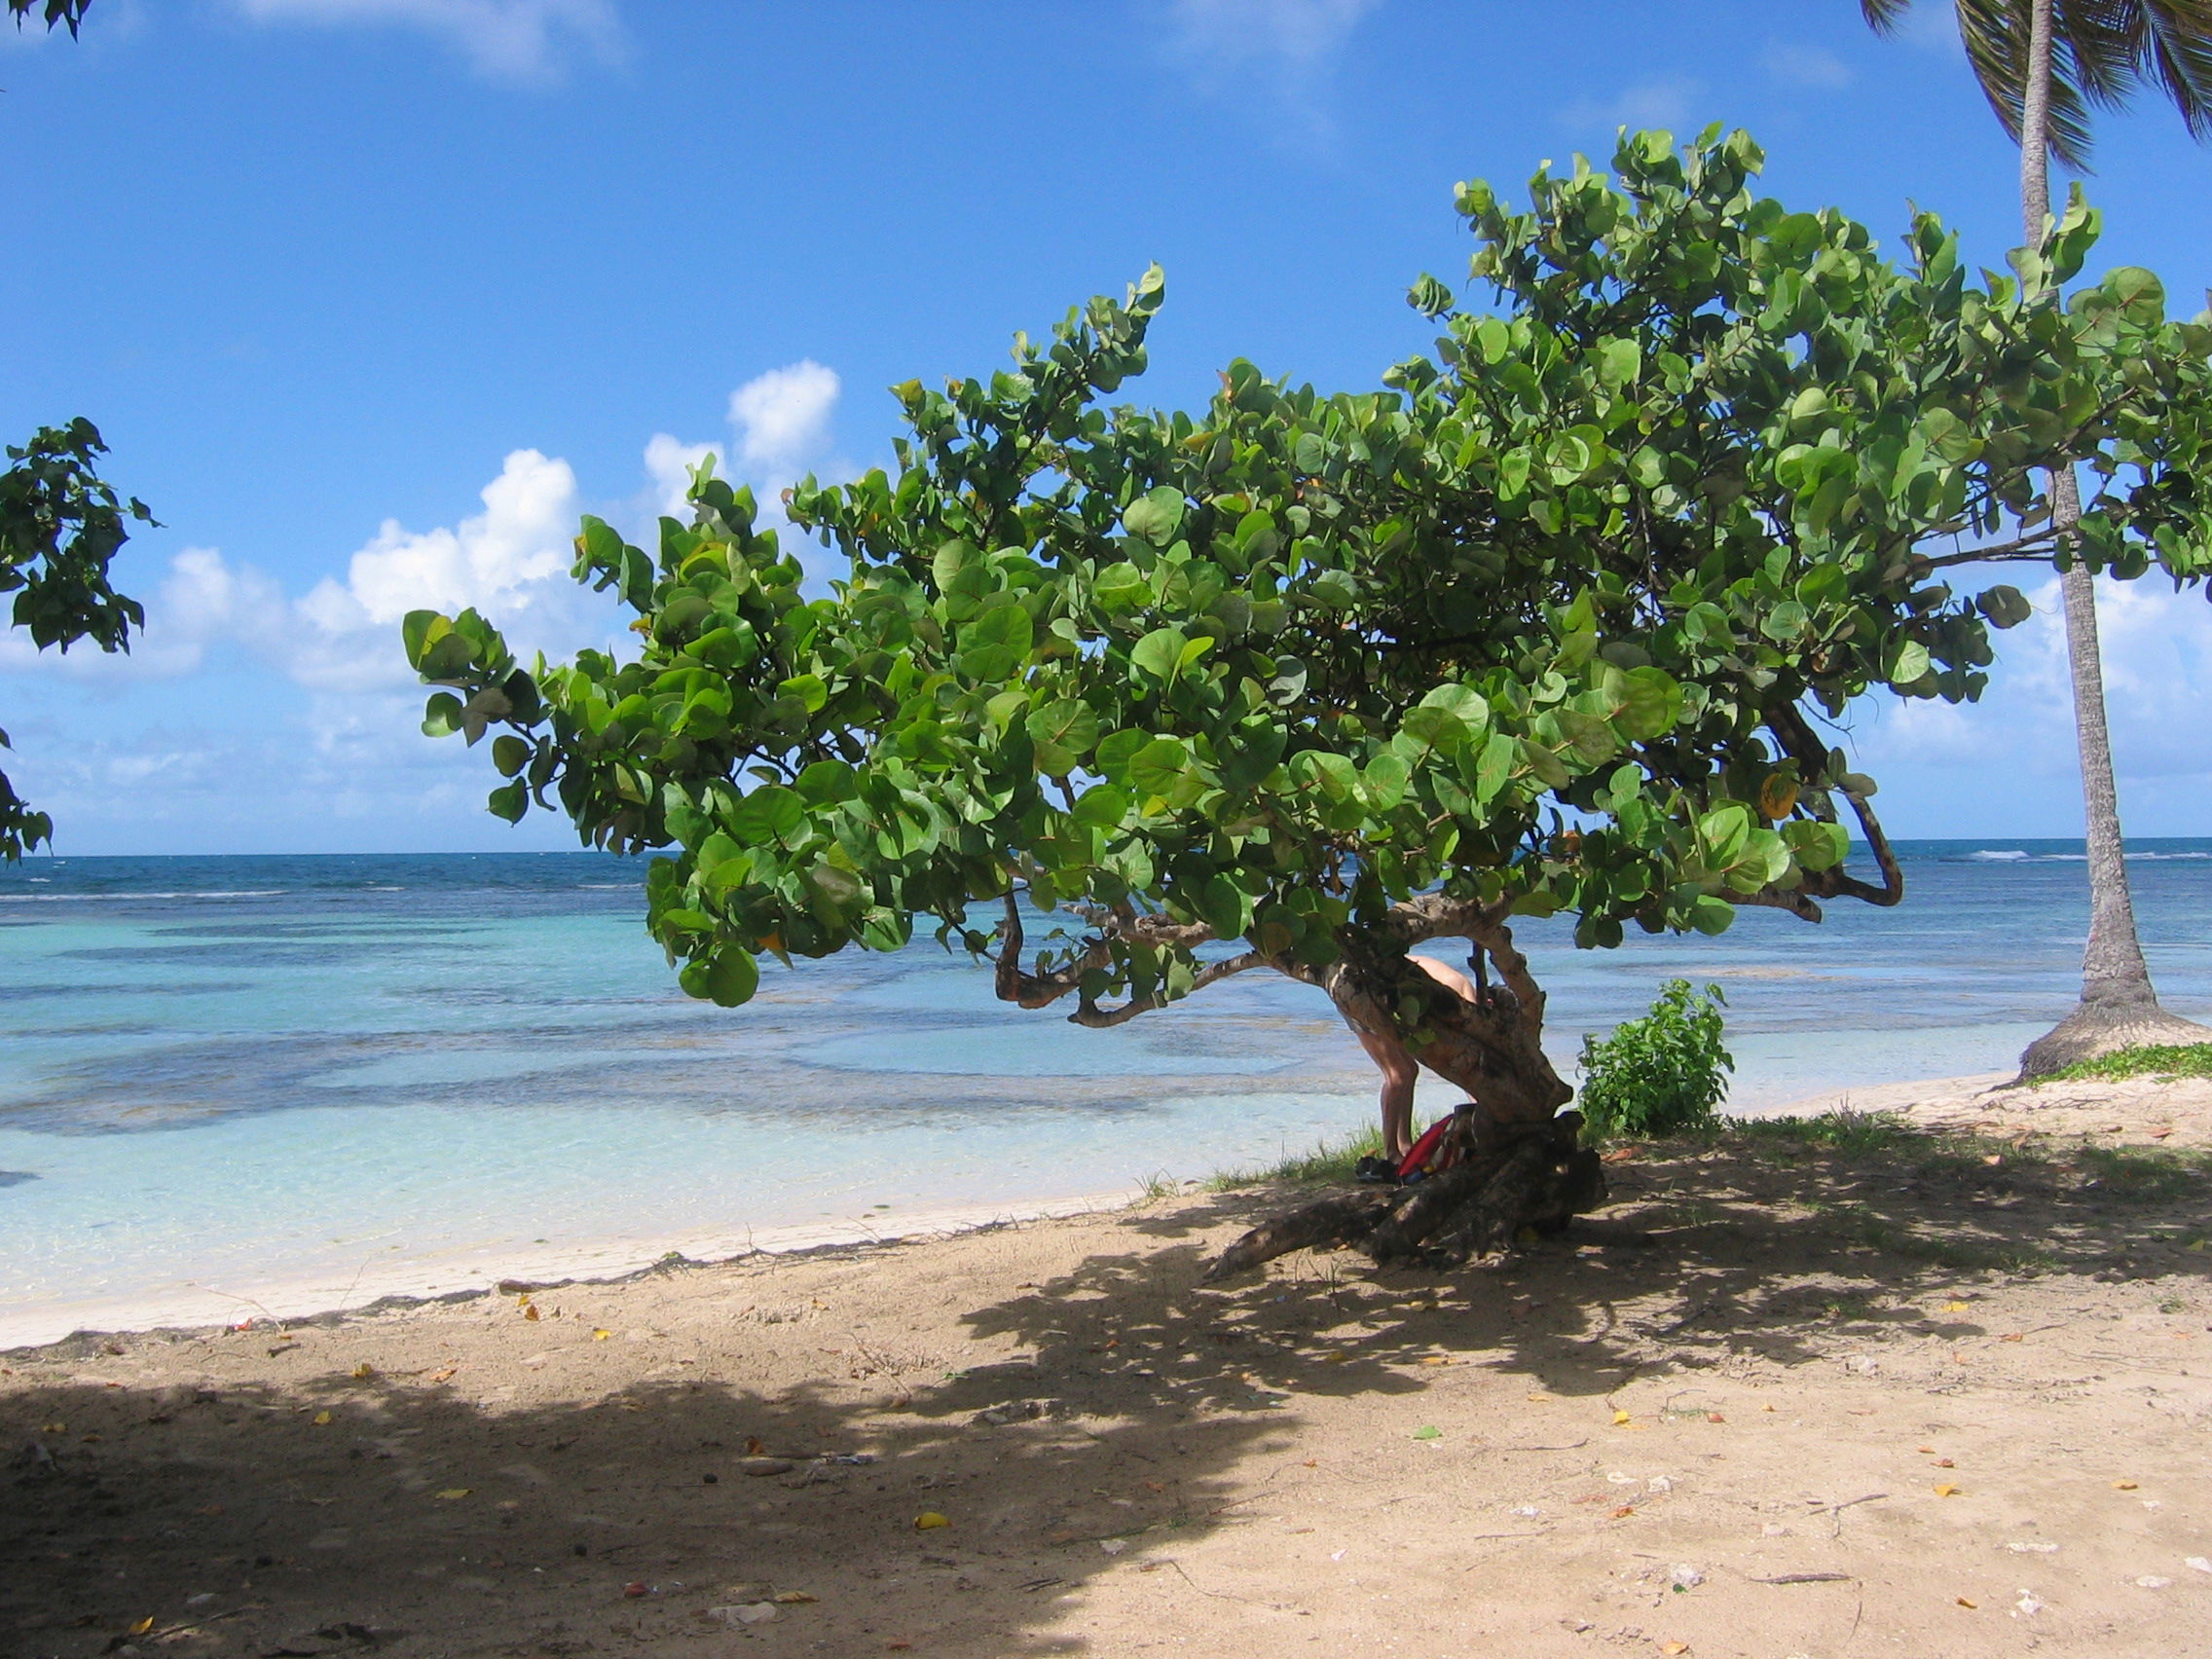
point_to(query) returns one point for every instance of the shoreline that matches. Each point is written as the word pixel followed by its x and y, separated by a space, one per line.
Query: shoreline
pixel 613 1260
pixel 606 1262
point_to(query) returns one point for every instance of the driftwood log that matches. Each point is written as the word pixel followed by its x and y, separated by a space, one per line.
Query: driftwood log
pixel 1506 1177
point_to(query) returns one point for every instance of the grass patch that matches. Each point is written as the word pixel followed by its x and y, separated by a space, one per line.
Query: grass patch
pixel 2153 1059
pixel 1331 1160
pixel 1853 1132
pixel 2146 1173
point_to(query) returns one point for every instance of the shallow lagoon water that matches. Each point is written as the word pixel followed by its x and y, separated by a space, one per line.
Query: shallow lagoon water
pixel 288 1082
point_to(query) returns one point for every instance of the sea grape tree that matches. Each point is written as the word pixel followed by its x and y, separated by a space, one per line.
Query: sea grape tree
pixel 1557 620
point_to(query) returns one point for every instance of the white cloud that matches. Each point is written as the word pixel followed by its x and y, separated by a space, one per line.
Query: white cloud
pixel 670 462
pixel 1807 66
pixel 782 419
pixel 200 602
pixel 506 40
pixel 1664 101
pixel 2156 651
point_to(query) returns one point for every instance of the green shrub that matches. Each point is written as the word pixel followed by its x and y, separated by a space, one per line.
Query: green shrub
pixel 1659 1074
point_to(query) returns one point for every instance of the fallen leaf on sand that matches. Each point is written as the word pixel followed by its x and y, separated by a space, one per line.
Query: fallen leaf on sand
pixel 1766 1408
pixel 452 1493
pixel 1954 1307
pixel 1946 1489
pixel 1946 1464
pixel 321 1420
pixel 1674 1647
pixel 1435 1359
pixel 1968 1606
pixel 634 1588
pixel 1715 1417
pixel 1619 1154
pixel 1429 1431
pixel 1925 1451
pixel 1624 1512
pixel 601 1336
pixel 2012 1337
pixel 929 1519
pixel 442 1376
pixel 363 1371
pixel 2123 1486
pixel 143 1626
pixel 794 1597
pixel 530 1310
pixel 1621 1419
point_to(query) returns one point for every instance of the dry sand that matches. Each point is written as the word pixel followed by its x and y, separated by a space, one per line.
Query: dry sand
pixel 1947 1396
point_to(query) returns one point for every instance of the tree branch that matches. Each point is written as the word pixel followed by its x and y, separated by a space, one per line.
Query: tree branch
pixel 1097 1017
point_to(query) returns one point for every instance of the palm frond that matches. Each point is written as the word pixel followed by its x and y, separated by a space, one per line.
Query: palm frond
pixel 2169 44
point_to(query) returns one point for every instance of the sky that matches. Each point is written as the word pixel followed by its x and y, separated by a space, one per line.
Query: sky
pixel 371 298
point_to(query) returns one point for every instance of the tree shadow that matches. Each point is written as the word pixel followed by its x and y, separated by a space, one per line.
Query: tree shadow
pixel 1121 1400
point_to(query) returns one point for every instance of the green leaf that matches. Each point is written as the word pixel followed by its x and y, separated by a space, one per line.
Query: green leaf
pixel 727 978
pixel 770 813
pixel 509 754
pixel 1162 768
pixel 1155 515
pixel 2005 607
pixel 1909 663
pixel 1160 653
pixel 1101 807
pixel 441 715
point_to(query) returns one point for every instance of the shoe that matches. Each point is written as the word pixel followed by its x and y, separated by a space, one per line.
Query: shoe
pixel 1378 1171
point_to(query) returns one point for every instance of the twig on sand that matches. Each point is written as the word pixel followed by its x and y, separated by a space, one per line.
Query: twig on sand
pixel 1808 1578
pixel 1225 1596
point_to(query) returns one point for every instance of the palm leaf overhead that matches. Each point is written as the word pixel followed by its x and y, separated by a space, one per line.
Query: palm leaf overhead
pixel 2102 53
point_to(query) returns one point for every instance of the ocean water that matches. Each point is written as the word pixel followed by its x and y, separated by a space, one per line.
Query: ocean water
pixel 232 1085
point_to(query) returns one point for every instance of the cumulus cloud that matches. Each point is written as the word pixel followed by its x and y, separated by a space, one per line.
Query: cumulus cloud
pixel 506 40
pixel 1664 101
pixel 782 427
pixel 1808 66
pixel 199 603
pixel 782 418
pixel 2156 651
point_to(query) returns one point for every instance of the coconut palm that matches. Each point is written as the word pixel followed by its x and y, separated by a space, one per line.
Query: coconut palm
pixel 2043 64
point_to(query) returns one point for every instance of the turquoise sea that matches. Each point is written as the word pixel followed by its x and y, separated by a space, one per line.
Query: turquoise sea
pixel 233 1085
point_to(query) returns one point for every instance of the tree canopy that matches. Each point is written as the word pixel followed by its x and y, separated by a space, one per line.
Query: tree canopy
pixel 59 527
pixel 1553 620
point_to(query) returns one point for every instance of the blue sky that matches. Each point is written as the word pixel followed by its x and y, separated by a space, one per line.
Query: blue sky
pixel 372 298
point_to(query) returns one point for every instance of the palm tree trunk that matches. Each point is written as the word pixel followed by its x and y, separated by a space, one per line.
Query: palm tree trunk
pixel 2118 1008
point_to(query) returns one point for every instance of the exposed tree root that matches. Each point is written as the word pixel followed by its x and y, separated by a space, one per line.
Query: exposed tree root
pixel 1509 1177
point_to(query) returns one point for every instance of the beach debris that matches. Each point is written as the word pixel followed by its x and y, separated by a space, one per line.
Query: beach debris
pixel 2198 1564
pixel 745 1613
pixel 2152 1581
pixel 364 1372
pixel 1429 1431
pixel 1113 1546
pixel 1659 1485
pixel 1684 1577
pixel 2029 1603
pixel 1946 1489
pixel 929 1519
pixel 767 1465
pixel 453 1494
pixel 794 1597
pixel 1013 1411
pixel 2031 1546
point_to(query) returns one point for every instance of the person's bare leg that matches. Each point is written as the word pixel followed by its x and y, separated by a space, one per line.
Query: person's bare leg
pixel 1399 1072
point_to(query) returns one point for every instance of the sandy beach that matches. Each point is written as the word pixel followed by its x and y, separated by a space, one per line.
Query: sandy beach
pixel 1870 1390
